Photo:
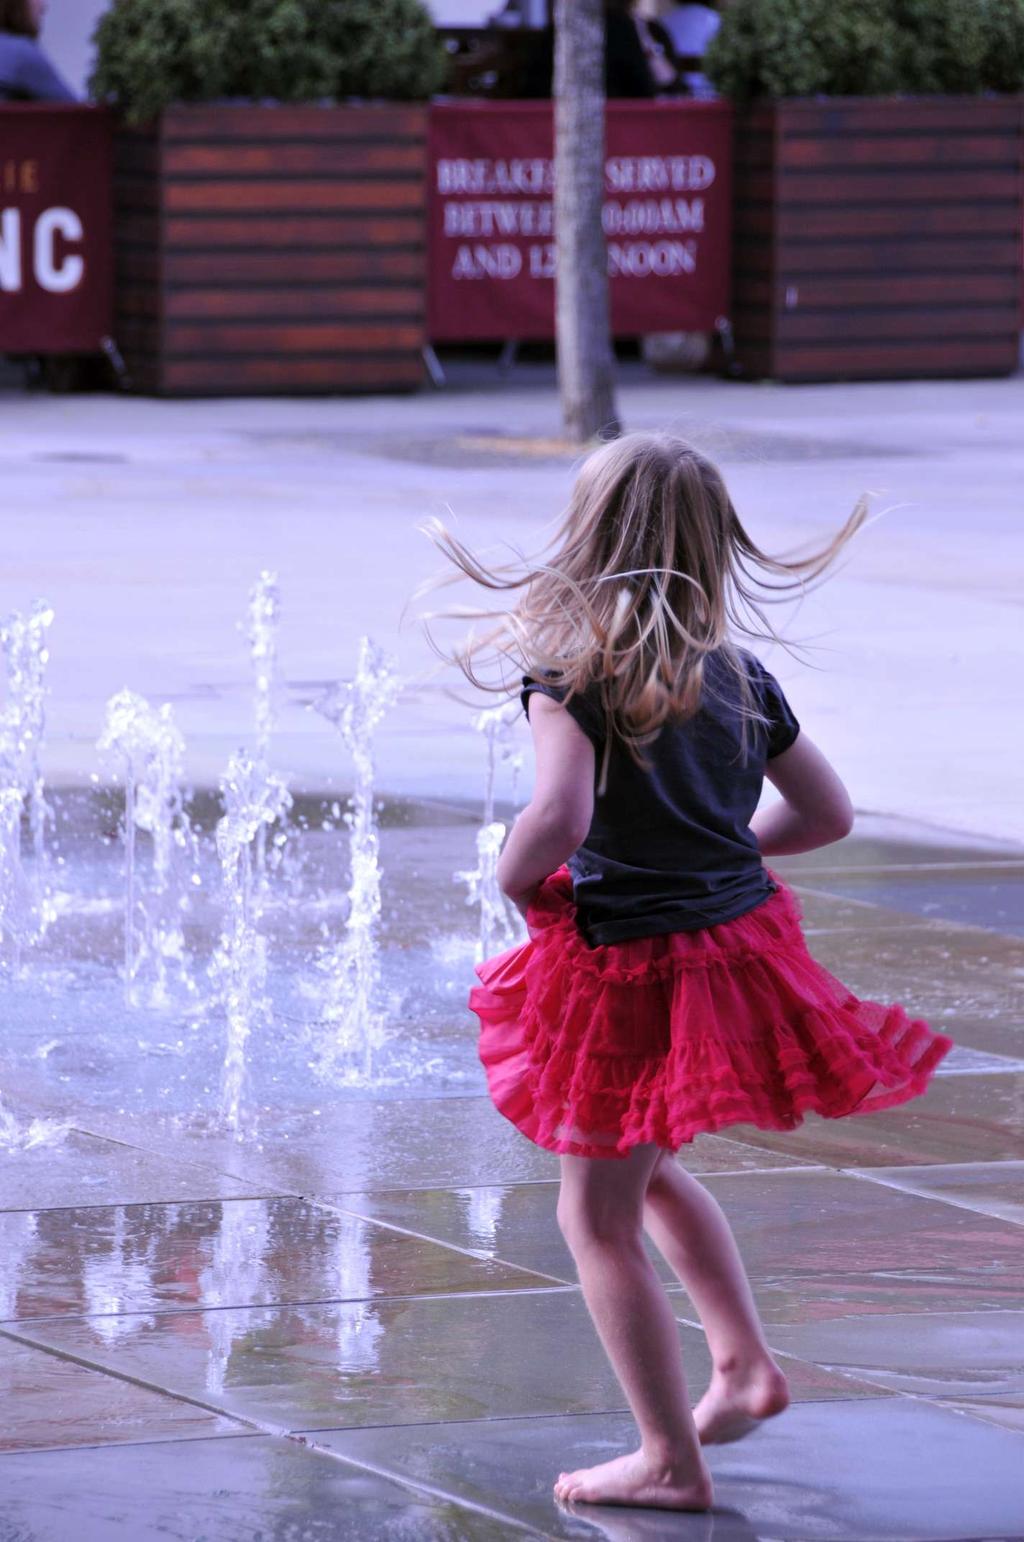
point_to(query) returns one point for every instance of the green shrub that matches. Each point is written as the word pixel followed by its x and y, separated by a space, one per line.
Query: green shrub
pixel 1004 44
pixel 867 47
pixel 150 53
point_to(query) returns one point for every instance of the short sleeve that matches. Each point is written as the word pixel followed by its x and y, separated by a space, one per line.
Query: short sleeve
pixel 580 707
pixel 783 726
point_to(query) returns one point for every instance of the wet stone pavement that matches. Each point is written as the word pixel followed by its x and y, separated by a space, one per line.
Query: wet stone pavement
pixel 368 1325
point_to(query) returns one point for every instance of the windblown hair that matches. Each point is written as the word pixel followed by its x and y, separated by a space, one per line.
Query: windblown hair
pixel 652 572
pixel 16 16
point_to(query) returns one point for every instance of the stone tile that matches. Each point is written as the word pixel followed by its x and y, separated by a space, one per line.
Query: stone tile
pixel 993 1188
pixel 418 1360
pixel 816 1297
pixel 957 1119
pixel 237 1491
pixel 937 1354
pixel 90 1170
pixel 891 1468
pixel 968 984
pixel 353 1143
pixel 154 1258
pixel 816 1222
pixel 50 1401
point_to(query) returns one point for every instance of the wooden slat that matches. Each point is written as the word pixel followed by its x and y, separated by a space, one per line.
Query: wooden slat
pixel 137 230
pixel 137 265
pixel 227 123
pixel 887 115
pixel 135 300
pixel 876 361
pixel 901 150
pixel 964 254
pixel 292 266
pixel 928 185
pixel 329 372
pixel 321 302
pixel 138 192
pixel 319 159
pixel 888 289
pixel 267 197
pixel 797 223
pixel 294 233
pixel 951 323
pixel 227 337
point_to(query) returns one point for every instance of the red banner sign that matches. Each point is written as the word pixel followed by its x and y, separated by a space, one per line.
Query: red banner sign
pixel 55 228
pixel 491 254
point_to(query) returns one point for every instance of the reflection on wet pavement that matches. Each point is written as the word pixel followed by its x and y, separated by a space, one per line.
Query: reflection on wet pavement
pixel 407 1361
pixel 388 1277
pixel 154 1258
pixel 59 1403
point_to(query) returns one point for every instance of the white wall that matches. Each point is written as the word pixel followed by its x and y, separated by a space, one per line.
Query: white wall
pixel 67 29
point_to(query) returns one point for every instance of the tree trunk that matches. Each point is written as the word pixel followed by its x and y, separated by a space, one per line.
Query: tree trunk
pixel 582 324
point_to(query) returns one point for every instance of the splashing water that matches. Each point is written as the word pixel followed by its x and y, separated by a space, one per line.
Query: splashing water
pixel 500 922
pixel 253 799
pixel 152 752
pixel 23 721
pixel 496 723
pixel 261 623
pixel 351 1010
pixel 18 915
pixel 498 927
pixel 262 620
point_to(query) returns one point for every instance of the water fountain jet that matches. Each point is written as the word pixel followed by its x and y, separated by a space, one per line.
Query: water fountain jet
pixel 253 799
pixel 351 1010
pixel 152 752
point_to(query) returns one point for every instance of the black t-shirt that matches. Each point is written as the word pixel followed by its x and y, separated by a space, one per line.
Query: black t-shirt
pixel 671 849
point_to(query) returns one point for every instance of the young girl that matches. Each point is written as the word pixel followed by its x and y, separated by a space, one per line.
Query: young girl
pixel 666 987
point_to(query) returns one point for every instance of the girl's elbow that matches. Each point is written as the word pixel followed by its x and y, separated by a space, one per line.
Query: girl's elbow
pixel 840 822
pixel 565 823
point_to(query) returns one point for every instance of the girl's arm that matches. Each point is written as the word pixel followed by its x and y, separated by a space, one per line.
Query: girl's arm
pixel 815 809
pixel 557 817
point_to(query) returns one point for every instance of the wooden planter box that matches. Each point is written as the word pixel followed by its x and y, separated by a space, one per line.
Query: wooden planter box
pixel 878 239
pixel 272 249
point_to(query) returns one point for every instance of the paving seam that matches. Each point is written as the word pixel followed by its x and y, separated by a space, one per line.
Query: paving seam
pixel 279 1305
pixel 415 1484
pixel 202 1167
pixel 139 1204
pixel 453 1247
pixel 134 1381
pixel 262 1427
pixel 941 1199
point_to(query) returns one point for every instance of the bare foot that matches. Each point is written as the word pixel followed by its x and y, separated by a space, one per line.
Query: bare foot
pixel 737 1402
pixel 637 1480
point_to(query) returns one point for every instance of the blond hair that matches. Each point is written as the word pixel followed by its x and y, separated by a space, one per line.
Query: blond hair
pixel 652 572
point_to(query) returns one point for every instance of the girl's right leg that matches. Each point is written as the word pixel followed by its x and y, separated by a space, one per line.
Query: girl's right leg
pixel 688 1227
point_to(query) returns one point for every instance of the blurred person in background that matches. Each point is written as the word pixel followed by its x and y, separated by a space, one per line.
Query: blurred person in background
pixel 691 28
pixel 627 71
pixel 26 74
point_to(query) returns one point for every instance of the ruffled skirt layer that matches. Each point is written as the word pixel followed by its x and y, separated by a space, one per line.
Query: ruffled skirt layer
pixel 592 1051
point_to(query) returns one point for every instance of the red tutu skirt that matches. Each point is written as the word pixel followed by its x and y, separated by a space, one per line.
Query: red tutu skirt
pixel 592 1051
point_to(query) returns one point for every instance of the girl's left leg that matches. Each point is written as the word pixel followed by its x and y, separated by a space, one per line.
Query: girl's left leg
pixel 600 1212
